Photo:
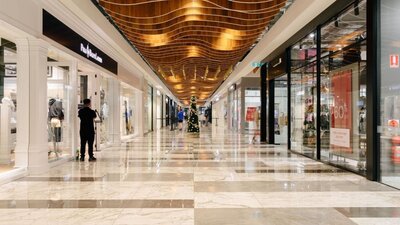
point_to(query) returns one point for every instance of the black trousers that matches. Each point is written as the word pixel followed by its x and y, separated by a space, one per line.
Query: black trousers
pixel 89 138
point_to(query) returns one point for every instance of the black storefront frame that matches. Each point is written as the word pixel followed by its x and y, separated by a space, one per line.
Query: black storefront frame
pixel 373 93
pixel 373 78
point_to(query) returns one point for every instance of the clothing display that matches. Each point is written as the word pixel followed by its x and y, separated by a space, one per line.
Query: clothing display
pixel 55 117
pixel 55 109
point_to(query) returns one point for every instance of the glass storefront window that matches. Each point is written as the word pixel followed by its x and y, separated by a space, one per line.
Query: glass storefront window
pixel 127 110
pixel 281 118
pixel 59 121
pixel 343 89
pixel 389 132
pixel 343 108
pixel 149 108
pixel 344 30
pixel 253 108
pixel 303 108
pixel 304 51
pixel 104 111
pixel 8 104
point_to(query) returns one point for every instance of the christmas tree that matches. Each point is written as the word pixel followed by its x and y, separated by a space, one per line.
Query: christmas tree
pixel 193 122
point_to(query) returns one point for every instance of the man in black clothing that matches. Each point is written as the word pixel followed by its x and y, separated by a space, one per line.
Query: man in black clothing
pixel 87 116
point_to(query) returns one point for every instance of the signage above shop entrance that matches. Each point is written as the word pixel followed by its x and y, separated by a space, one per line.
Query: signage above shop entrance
pixel 61 33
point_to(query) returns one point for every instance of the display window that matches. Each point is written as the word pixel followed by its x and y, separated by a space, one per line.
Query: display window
pixel 233 108
pixel 343 89
pixel 59 121
pixel 127 102
pixel 149 109
pixel 8 104
pixel 280 112
pixel 105 112
pixel 389 106
pixel 303 109
pixel 252 108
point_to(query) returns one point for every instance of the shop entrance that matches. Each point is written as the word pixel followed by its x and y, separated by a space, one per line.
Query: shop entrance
pixel 61 110
pixel 280 112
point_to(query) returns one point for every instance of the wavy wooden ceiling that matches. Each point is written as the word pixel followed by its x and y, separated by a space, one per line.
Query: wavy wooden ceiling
pixel 193 45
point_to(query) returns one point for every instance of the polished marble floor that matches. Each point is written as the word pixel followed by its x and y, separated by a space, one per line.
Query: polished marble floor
pixel 217 177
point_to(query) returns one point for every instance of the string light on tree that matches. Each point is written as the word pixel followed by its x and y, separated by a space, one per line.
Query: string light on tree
pixel 193 122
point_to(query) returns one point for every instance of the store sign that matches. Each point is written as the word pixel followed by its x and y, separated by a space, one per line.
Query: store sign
pixel 61 33
pixel 341 111
pixel 90 54
pixel 340 137
pixel 394 61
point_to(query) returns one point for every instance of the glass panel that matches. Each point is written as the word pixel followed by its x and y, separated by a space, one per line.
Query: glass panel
pixel 127 110
pixel 303 108
pixel 149 108
pixel 304 51
pixel 281 117
pixel 8 104
pixel 344 30
pixel 59 117
pixel 253 107
pixel 104 110
pixel 389 93
pixel 343 108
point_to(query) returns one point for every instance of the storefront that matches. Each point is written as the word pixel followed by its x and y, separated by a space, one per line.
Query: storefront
pixel 159 112
pixel 148 109
pixel 8 103
pixel 127 106
pixel 234 108
pixel 316 91
pixel 387 83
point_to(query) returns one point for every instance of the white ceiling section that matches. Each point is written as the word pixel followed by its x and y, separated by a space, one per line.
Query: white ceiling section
pixel 300 13
pixel 99 27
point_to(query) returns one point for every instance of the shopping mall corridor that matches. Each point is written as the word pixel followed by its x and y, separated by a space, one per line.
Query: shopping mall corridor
pixel 218 177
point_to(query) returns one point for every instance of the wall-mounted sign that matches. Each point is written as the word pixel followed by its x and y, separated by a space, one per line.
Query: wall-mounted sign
pixel 257 64
pixel 394 61
pixel 61 33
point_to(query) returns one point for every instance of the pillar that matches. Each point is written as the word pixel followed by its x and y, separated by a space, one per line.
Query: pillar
pixel 263 96
pixel 115 112
pixel 32 147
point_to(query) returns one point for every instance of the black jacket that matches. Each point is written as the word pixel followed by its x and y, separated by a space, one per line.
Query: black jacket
pixel 87 116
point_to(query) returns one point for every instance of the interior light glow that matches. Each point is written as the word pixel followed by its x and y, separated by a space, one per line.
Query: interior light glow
pixel 155 40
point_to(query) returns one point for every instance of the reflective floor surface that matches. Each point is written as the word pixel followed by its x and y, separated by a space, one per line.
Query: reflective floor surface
pixel 217 177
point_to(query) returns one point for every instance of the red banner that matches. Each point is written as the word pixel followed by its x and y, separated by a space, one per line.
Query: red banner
pixel 341 111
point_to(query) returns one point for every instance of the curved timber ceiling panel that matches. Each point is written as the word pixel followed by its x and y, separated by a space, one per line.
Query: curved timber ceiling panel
pixel 193 45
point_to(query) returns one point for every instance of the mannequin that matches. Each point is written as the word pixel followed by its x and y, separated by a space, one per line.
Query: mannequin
pixel 55 116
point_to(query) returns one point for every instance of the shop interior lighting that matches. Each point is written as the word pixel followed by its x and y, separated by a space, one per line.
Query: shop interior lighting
pixel 336 22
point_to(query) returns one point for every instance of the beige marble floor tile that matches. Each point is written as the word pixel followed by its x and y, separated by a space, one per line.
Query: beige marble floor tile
pixel 156 216
pixel 376 221
pixel 328 199
pixel 226 200
pixel 270 217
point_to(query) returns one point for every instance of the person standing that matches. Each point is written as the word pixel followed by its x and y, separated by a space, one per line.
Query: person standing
pixel 180 118
pixel 87 116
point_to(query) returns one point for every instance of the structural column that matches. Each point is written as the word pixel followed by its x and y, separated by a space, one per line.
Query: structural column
pixel 271 112
pixel 140 112
pixel 115 130
pixel 74 103
pixel 32 147
pixel 263 95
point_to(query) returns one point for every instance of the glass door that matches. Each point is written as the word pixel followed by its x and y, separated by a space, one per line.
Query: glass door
pixel 280 112
pixel 60 117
